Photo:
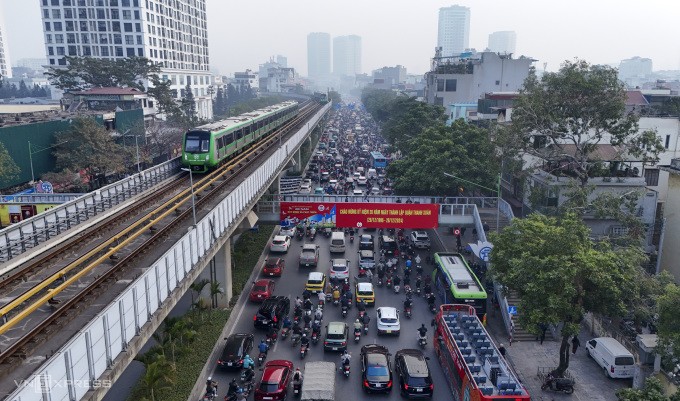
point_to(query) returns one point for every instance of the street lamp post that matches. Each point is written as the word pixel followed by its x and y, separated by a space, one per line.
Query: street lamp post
pixel 193 202
pixel 498 195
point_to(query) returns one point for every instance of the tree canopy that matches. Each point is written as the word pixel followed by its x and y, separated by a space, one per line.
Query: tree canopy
pixel 581 105
pixel 461 150
pixel 560 274
pixel 87 146
pixel 402 118
pixel 8 168
pixel 669 325
pixel 651 391
pixel 86 72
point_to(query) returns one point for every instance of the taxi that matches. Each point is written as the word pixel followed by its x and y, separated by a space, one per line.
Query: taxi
pixel 315 282
pixel 364 291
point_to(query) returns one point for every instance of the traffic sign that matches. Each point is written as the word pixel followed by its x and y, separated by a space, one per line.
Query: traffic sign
pixel 484 253
pixel 456 232
pixel 512 309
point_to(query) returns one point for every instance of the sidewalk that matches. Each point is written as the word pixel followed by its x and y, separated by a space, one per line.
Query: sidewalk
pixel 527 356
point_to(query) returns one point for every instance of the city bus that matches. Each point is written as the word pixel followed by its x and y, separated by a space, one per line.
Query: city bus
pixel 455 283
pixel 472 364
pixel 378 160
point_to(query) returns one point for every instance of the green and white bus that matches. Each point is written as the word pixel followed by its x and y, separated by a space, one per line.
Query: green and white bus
pixel 455 283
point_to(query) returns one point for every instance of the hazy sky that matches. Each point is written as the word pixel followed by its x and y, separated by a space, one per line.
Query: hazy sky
pixel 243 34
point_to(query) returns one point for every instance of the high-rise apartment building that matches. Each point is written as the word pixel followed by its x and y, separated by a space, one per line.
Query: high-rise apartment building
pixel 347 55
pixel 5 65
pixel 503 42
pixel 172 33
pixel 318 55
pixel 454 30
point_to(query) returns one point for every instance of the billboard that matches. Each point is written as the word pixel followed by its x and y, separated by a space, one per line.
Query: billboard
pixel 360 215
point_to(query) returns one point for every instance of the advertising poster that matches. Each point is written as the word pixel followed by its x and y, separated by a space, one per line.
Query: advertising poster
pixel 360 215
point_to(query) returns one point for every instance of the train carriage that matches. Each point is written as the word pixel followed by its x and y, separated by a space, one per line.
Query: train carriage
pixel 206 146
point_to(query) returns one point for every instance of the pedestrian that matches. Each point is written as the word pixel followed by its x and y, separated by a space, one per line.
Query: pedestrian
pixel 501 349
pixel 575 343
pixel 543 328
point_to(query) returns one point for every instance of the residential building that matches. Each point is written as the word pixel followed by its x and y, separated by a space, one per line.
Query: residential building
pixel 347 55
pixel 466 79
pixel 319 55
pixel 246 78
pixel 453 35
pixel 635 67
pixel 35 64
pixel 669 251
pixel 5 64
pixel 503 42
pixel 172 33
pixel 277 79
pixel 282 60
pixel 390 75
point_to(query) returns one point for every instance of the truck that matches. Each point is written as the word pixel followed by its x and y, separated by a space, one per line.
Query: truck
pixel 319 382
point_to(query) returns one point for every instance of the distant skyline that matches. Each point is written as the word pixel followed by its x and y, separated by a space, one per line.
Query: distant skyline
pixel 405 31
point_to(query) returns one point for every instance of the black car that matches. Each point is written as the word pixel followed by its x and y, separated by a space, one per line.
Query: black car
pixel 415 381
pixel 376 369
pixel 366 242
pixel 272 311
pixel 388 244
pixel 236 348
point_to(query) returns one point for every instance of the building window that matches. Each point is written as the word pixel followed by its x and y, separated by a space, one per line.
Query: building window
pixel 140 41
pixel 72 51
pixel 51 60
pixel 55 2
pixel 62 61
pixel 440 85
pixel 50 51
pixel 70 26
pixel 105 51
pixel 140 52
pixel 127 27
pixel 127 14
pixel 119 51
pixel 101 14
pixel 59 38
pixel 652 176
pixel 117 39
pixel 115 14
pixel 68 13
pixel 83 26
pixel 70 38
pixel 86 51
pixel 57 26
pixel 101 26
pixel 46 14
pixel 47 26
pixel 113 3
pixel 125 3
pixel 115 26
pixel 668 141
pixel 48 38
pixel 450 85
pixel 619 231
pixel 60 51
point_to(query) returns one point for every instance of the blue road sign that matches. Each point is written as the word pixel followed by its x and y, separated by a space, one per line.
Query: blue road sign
pixel 512 309
pixel 484 253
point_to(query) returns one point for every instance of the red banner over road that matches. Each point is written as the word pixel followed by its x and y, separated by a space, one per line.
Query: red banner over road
pixel 363 215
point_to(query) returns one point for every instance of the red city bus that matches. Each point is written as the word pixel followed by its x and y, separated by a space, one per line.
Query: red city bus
pixel 470 360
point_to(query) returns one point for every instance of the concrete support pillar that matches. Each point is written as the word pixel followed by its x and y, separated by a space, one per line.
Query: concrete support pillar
pixel 223 274
pixel 298 161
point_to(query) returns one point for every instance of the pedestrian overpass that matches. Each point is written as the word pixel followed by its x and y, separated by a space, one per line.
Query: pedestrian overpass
pixel 98 353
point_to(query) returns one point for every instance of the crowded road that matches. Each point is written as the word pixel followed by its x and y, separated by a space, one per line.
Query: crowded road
pixel 291 284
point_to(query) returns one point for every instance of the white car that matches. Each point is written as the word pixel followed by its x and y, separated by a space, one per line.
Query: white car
pixel 361 180
pixel 375 191
pixel 288 231
pixel 339 269
pixel 357 192
pixel 307 181
pixel 420 239
pixel 305 189
pixel 388 320
pixel 280 243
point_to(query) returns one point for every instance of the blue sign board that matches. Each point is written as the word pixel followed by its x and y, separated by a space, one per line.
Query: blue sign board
pixel 484 253
pixel 512 309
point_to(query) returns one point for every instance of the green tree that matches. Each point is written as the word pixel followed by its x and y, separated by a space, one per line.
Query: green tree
pixel 334 97
pixel 158 376
pixel 86 72
pixel 188 105
pixel 87 146
pixel 560 274
pixel 461 149
pixel 166 102
pixel 581 105
pixel 669 324
pixel 219 104
pixel 8 168
pixel 23 89
pixel 652 391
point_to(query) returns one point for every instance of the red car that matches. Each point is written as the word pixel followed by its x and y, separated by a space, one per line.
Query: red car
pixel 274 383
pixel 274 267
pixel 262 289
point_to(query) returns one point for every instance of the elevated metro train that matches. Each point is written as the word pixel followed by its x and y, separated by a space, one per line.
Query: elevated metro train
pixel 206 146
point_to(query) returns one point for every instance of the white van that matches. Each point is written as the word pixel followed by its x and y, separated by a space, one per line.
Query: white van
pixel 337 242
pixel 614 358
pixel 372 173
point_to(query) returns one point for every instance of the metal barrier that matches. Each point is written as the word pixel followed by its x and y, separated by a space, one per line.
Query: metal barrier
pixel 39 198
pixel 20 237
pixel 506 210
pixel 76 367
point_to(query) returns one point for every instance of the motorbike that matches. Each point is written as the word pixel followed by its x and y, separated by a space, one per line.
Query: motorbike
pixel 418 291
pixel 294 340
pixel 300 234
pixel 315 337
pixel 388 282
pixel 303 351
pixel 328 232
pixel 344 311
pixel 284 332
pixel 357 335
pixel 246 388
pixel 260 358
pixel 396 289
pixel 209 397
pixel 407 312
pixel 247 375
pixel 433 308
pixel 351 239
pixel 297 388
pixel 361 314
pixel 345 369
pixel 336 302
pixel 562 384
pixel 380 282
pixel 419 270
pixel 365 328
pixel 422 341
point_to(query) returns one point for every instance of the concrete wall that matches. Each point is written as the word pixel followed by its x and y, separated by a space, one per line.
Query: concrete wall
pixel 670 251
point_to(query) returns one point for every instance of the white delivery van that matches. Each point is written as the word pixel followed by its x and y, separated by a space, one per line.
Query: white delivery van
pixel 614 358
pixel 337 242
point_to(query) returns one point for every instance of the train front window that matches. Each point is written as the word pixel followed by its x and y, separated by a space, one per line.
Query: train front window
pixel 197 143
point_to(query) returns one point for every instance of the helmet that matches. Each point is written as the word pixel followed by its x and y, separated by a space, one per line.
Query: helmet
pixel 357 321
pixel 501 344
pixel 209 378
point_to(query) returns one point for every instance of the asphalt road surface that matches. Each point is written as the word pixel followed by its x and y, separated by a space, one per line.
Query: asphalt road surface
pixel 291 284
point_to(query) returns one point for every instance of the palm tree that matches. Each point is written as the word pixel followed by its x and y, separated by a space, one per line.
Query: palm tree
pixel 159 376
pixel 198 286
pixel 215 290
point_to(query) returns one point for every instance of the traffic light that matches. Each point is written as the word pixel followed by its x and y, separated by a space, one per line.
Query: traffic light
pixel 456 231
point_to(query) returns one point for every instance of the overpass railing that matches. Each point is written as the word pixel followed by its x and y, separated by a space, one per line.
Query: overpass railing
pixel 95 347
pixel 20 237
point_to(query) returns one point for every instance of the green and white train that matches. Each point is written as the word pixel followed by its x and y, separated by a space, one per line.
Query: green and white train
pixel 206 146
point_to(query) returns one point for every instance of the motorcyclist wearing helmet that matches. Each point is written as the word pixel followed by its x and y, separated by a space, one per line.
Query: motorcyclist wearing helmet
pixel 286 322
pixel 211 387
pixel 233 387
pixel 422 330
pixel 297 376
pixel 408 303
pixel 248 362
pixel 304 341
pixel 263 347
pixel 345 358
pixel 361 306
pixel 358 325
